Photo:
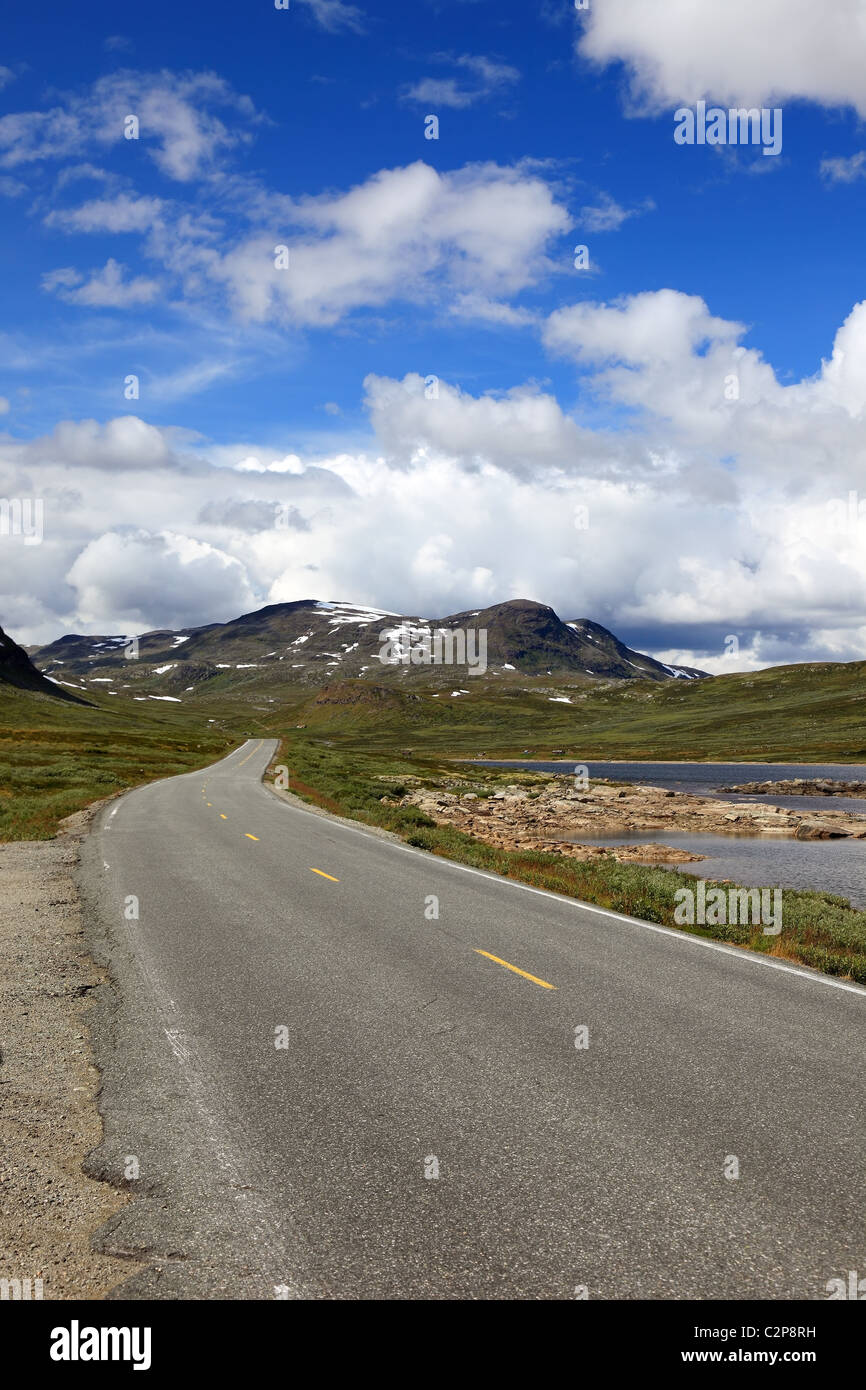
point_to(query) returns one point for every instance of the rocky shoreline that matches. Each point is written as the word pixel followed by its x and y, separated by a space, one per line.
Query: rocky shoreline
pixel 544 814
pixel 801 786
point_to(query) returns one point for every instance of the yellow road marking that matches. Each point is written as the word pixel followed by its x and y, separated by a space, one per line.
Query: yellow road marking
pixel 249 836
pixel 249 755
pixel 330 876
pixel 525 973
pixel 222 817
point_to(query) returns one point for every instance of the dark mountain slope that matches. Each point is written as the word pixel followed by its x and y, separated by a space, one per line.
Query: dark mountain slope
pixel 17 669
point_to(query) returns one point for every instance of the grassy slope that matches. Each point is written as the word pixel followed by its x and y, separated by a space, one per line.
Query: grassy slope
pixel 814 713
pixel 56 758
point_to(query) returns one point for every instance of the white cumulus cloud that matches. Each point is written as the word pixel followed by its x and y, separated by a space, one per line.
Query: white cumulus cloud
pixel 748 52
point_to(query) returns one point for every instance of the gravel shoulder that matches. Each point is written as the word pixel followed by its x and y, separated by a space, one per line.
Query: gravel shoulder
pixel 49 1086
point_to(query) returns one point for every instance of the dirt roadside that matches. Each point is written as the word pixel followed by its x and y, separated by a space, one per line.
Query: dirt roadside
pixel 49 1119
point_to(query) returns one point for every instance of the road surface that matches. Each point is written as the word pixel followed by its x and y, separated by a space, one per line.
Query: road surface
pixel 317 1087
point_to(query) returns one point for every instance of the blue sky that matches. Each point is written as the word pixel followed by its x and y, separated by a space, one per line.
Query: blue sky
pixel 451 257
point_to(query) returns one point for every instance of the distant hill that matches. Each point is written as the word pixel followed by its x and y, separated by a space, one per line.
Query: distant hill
pixel 312 643
pixel 17 669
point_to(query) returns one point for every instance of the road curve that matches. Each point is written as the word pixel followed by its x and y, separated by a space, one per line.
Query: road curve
pixel 295 1045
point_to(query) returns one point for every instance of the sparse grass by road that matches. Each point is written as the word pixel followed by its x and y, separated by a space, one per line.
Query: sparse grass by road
pixel 820 930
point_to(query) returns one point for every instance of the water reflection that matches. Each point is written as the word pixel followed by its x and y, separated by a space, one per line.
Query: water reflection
pixel 836 866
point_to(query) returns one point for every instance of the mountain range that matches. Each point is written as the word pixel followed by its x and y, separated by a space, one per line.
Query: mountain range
pixel 311 643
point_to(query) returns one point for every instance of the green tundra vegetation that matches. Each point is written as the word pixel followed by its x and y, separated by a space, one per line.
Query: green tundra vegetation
pixel 56 758
pixel 351 746
pixel 808 713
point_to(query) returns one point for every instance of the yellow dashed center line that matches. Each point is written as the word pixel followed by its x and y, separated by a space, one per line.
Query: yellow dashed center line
pixel 323 875
pixel 249 755
pixel 249 836
pixel 525 973
pixel 225 817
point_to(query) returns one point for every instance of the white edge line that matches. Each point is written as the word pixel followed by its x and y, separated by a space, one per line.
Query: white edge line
pixel 752 957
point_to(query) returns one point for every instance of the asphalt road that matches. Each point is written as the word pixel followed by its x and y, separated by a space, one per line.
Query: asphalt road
pixel 409 1047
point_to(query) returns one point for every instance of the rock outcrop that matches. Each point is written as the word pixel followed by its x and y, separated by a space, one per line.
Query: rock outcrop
pixel 548 815
pixel 801 786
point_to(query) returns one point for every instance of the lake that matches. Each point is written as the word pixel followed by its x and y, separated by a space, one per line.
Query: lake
pixel 837 866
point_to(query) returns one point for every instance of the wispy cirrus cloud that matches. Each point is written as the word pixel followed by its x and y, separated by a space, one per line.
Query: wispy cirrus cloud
pixel 845 170
pixel 335 16
pixel 106 288
pixel 120 214
pixel 179 124
pixel 481 79
pixel 607 215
